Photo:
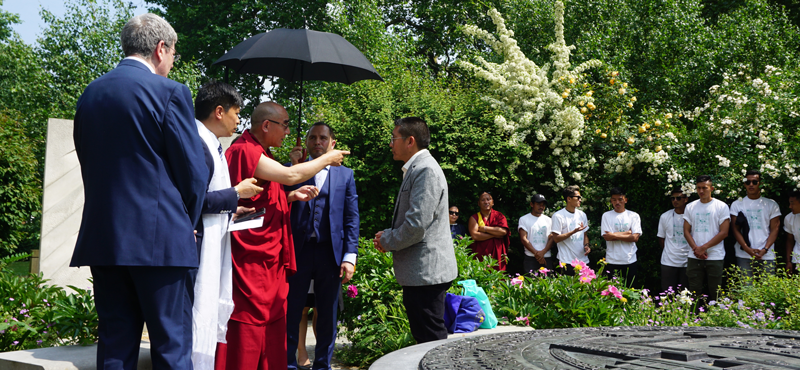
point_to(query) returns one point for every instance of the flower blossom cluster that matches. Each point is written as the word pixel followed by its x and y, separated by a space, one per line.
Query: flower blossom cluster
pixel 612 290
pixel 586 274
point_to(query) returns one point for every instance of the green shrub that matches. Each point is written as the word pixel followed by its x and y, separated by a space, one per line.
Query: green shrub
pixel 374 320
pixel 549 300
pixel 33 314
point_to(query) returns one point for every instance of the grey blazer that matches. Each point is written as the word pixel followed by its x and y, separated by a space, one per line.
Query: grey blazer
pixel 420 235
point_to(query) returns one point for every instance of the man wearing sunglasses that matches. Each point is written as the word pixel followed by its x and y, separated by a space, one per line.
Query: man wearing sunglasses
pixel 263 257
pixel 763 219
pixel 456 229
pixel 674 248
pixel 569 230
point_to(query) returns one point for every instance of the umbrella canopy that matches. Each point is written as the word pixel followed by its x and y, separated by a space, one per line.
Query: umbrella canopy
pixel 300 55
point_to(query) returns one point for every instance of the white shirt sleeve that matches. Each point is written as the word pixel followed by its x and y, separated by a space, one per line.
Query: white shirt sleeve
pixel 605 224
pixel 735 208
pixel 556 228
pixel 687 215
pixel 788 224
pixel 724 213
pixel 774 211
pixel 662 226
pixel 636 224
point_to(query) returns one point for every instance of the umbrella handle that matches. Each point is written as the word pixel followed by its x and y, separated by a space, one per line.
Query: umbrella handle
pixel 299 141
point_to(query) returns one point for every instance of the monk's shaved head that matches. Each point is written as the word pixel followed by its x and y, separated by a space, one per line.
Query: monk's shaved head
pixel 265 110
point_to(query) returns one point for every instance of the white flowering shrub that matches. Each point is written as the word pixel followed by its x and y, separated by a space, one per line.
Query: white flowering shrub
pixel 749 122
pixel 573 122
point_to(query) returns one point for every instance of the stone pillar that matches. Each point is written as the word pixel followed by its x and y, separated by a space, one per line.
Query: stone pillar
pixel 62 208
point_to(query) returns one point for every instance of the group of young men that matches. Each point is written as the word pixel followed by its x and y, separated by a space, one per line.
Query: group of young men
pixel 690 235
pixel 159 202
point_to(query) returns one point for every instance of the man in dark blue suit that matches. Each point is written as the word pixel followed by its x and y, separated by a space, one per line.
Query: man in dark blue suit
pixel 144 178
pixel 325 232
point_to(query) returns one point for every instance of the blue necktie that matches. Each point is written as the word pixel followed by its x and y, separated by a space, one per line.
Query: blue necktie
pixel 219 149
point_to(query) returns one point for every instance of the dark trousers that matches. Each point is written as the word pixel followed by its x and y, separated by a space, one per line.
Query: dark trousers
pixel 314 261
pixel 705 271
pixel 425 309
pixel 530 265
pixel 673 277
pixel 626 273
pixel 126 297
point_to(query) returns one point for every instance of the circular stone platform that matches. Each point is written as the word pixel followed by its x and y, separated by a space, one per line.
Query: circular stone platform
pixel 621 347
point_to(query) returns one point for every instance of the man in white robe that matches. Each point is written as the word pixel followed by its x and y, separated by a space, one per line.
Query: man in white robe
pixel 217 114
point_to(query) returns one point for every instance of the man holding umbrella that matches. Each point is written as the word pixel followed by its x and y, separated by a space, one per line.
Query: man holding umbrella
pixel 263 257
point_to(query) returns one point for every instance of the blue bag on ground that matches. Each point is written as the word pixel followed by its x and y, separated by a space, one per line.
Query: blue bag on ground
pixel 471 289
pixel 462 314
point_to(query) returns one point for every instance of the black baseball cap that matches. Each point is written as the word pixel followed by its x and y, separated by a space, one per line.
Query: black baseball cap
pixel 538 198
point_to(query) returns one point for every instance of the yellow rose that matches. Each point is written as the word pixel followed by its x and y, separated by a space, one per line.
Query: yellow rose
pixel 581 103
pixel 658 123
pixel 649 138
pixel 630 140
pixel 611 81
pixel 633 98
pixel 667 125
pixel 564 94
pixel 630 105
pixel 572 80
pixel 603 135
pixel 622 91
pixel 591 106
pixel 668 115
pixel 642 129
pixel 585 85
pixel 584 110
pixel 624 84
pixel 658 148
pixel 646 126
pixel 597 131
pixel 614 74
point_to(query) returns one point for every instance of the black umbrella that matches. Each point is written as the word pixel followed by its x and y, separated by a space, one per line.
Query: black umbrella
pixel 300 55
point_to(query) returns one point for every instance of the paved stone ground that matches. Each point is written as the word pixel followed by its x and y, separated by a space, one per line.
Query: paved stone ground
pixel 311 342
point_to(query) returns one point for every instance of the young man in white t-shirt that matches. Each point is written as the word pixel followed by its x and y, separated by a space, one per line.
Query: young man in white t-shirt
pixel 791 224
pixel 763 219
pixel 706 224
pixel 621 229
pixel 534 233
pixel 569 230
pixel 675 249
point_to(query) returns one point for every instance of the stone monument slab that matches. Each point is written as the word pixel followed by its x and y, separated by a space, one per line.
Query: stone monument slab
pixel 621 348
pixel 62 208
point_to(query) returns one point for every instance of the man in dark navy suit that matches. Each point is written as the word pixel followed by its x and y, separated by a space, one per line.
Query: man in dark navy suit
pixel 144 178
pixel 325 232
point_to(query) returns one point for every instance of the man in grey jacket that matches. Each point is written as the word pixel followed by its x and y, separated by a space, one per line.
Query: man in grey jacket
pixel 424 259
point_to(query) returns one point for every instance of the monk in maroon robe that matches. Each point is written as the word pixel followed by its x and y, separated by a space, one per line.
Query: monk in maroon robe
pixel 489 229
pixel 263 257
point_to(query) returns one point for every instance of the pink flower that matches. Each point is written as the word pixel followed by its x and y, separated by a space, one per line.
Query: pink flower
pixel 524 319
pixel 613 290
pixel 352 291
pixel 605 292
pixel 517 281
pixel 587 275
pixel 578 265
pixel 543 270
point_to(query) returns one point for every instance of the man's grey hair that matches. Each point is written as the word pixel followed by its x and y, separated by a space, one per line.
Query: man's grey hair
pixel 141 35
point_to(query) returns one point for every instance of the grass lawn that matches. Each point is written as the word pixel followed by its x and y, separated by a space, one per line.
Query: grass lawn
pixel 21 267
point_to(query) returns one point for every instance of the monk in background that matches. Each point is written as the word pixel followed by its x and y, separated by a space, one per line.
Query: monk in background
pixel 489 229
